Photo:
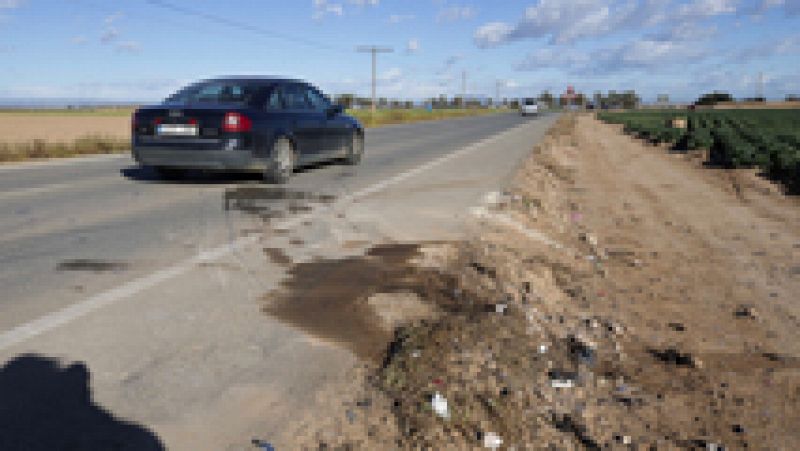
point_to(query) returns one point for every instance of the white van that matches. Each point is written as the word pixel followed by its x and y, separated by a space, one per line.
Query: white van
pixel 528 106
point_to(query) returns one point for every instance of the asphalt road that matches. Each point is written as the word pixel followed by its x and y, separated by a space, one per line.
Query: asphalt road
pixel 156 287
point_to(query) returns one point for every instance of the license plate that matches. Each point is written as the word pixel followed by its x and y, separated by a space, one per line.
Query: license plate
pixel 176 130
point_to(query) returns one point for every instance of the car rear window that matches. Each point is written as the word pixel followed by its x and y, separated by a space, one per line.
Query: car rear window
pixel 530 101
pixel 214 92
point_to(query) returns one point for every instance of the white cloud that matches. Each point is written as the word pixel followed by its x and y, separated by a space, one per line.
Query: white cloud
pixel 392 75
pixel 11 4
pixel 455 12
pixel 79 40
pixel 707 8
pixel 365 2
pixel 493 33
pixel 322 8
pixel 563 22
pixel 112 18
pixel 109 34
pixel 397 18
pixel 412 46
pixel 129 47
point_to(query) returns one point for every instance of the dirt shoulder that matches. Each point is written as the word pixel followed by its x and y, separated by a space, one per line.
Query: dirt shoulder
pixel 614 295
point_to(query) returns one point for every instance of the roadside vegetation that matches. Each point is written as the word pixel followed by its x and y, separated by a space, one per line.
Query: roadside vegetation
pixel 93 143
pixel 764 139
pixel 39 148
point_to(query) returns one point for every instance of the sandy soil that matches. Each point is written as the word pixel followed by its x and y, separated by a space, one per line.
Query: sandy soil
pixel 20 127
pixel 614 296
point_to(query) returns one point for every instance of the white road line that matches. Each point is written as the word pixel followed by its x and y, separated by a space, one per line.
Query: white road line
pixel 66 161
pixel 82 308
pixel 22 192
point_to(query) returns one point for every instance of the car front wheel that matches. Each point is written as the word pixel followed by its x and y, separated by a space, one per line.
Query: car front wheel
pixel 356 150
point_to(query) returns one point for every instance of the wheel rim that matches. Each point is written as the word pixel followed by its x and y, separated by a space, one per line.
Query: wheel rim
pixel 284 157
pixel 358 145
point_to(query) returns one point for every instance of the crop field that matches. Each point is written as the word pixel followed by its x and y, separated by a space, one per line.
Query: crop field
pixel 765 139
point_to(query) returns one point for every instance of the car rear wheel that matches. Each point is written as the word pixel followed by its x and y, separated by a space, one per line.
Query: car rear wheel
pixel 282 163
pixel 356 150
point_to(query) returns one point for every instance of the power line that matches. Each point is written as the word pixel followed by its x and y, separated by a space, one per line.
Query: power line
pixel 242 26
pixel 374 50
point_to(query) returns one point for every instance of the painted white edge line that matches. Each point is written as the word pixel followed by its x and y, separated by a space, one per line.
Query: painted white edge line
pixel 82 308
pixel 53 162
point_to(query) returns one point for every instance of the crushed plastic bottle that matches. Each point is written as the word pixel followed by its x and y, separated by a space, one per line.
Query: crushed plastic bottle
pixel 439 404
pixel 492 440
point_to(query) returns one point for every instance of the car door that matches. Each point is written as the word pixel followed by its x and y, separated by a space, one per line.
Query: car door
pixel 334 124
pixel 330 144
pixel 306 123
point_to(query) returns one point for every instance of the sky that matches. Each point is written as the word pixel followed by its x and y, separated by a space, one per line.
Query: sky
pixel 146 49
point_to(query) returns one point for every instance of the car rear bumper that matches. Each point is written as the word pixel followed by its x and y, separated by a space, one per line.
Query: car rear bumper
pixel 223 160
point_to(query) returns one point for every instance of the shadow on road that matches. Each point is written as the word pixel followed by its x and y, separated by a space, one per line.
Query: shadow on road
pixel 44 406
pixel 146 174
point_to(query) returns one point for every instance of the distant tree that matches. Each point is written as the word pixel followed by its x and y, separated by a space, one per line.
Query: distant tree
pixel 792 98
pixel 408 104
pixel 514 104
pixel 346 100
pixel 547 98
pixel 714 98
pixel 383 102
pixel 662 99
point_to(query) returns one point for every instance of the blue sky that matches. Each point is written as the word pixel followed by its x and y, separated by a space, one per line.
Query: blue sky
pixel 145 49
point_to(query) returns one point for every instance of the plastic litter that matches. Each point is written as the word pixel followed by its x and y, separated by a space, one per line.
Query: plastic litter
pixel 500 308
pixel 439 404
pixel 562 383
pixel 492 440
pixel 262 445
pixel 542 348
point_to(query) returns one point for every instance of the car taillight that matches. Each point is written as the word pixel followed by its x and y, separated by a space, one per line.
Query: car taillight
pixel 133 122
pixel 236 122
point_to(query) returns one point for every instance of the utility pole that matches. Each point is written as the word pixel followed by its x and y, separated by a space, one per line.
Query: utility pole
pixel 463 89
pixel 497 86
pixel 374 50
pixel 760 86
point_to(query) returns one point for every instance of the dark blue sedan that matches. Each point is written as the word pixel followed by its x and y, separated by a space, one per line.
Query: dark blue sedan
pixel 254 124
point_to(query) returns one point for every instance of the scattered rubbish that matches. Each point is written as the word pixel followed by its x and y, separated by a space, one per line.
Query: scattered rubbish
pixel 542 348
pixel 626 439
pixel 745 311
pixel 439 404
pixel 492 440
pixel 438 381
pixel 351 416
pixel 679 327
pixel 562 383
pixel 576 217
pixel 262 445
pixel 500 308
pixel 673 356
pixel 415 353
pixel 562 379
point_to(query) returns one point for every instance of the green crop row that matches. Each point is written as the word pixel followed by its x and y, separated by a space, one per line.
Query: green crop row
pixel 766 139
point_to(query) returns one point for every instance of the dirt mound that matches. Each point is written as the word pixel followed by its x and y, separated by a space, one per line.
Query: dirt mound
pixel 612 296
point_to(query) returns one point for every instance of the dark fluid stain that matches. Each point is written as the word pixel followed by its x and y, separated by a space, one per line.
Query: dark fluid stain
pixel 278 256
pixel 328 298
pixel 269 202
pixel 85 264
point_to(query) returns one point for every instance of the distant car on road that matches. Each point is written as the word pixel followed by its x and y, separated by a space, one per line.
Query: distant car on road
pixel 254 124
pixel 528 106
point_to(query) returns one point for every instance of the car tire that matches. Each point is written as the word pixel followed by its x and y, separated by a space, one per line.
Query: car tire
pixel 356 149
pixel 167 173
pixel 282 162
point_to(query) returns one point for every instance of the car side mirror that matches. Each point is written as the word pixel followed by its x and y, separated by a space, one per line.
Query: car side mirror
pixel 335 110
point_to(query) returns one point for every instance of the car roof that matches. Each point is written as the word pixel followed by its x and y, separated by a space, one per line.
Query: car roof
pixel 260 79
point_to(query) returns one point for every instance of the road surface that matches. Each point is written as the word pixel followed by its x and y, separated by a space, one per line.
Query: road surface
pixel 155 289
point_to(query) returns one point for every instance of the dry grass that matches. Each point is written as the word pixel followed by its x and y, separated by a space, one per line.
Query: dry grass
pixel 39 148
pixel 387 117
